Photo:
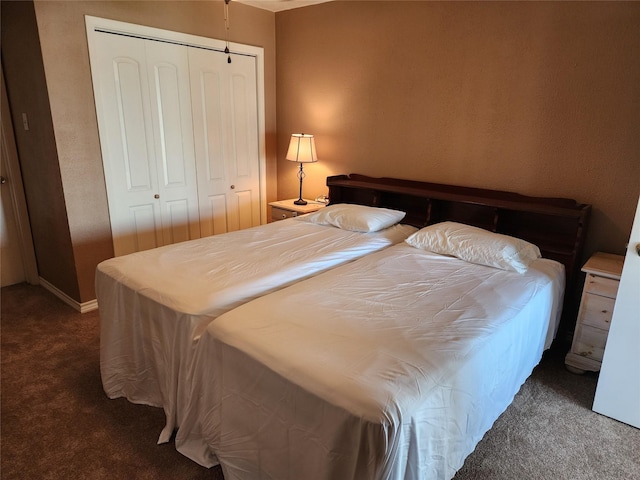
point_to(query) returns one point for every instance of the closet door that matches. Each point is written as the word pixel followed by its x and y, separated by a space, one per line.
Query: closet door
pixel 144 116
pixel 168 70
pixel 225 119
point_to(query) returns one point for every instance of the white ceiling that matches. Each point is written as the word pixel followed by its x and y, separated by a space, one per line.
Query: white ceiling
pixel 279 5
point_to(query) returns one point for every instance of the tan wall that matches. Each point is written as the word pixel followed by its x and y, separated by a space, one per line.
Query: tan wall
pixel 66 63
pixel 541 98
pixel 27 90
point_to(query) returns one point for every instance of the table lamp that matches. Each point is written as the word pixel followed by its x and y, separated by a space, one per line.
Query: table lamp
pixel 302 149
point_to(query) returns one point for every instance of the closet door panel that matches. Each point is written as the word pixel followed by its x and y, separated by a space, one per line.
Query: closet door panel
pixel 216 222
pixel 126 137
pixel 175 228
pixel 169 125
pixel 209 116
pixel 224 99
pixel 143 228
pixel 130 104
pixel 213 127
pixel 245 209
pixel 242 144
pixel 169 87
pixel 245 172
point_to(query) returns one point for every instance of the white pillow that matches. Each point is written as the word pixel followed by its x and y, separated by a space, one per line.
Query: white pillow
pixel 356 218
pixel 476 245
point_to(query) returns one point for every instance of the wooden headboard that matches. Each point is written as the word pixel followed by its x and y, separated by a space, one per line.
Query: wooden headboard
pixel 556 225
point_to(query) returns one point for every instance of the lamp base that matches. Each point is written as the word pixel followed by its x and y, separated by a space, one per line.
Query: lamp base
pixel 300 202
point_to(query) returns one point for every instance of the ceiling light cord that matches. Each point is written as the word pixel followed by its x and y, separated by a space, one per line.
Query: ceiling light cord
pixel 226 27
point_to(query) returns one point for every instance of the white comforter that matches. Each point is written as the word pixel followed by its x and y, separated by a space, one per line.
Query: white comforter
pixel 154 304
pixel 391 367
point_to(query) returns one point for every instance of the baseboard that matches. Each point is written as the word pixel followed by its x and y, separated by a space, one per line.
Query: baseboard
pixel 80 307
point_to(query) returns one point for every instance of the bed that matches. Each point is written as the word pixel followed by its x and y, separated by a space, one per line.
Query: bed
pixel 392 366
pixel 154 304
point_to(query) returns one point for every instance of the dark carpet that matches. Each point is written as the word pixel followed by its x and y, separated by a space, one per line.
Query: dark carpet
pixel 57 423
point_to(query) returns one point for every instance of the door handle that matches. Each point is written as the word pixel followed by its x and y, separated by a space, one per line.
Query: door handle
pixel 2 180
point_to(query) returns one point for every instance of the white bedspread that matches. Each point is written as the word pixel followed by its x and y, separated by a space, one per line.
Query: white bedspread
pixel 391 367
pixel 154 304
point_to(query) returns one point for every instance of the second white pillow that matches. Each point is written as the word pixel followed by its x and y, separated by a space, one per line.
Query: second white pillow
pixel 476 245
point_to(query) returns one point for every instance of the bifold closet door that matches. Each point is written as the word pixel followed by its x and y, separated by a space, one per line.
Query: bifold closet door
pixel 146 133
pixel 225 120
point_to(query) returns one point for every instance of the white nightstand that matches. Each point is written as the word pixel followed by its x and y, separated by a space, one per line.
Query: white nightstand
pixel 596 309
pixel 286 208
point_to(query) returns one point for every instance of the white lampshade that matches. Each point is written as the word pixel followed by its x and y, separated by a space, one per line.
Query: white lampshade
pixel 302 148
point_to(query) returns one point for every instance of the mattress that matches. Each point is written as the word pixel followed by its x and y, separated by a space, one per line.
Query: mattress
pixel 154 304
pixel 391 367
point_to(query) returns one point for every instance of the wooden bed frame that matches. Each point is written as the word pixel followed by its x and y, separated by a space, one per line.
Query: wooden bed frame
pixel 556 225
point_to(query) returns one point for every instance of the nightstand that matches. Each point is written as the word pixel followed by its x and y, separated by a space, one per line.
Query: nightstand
pixel 287 209
pixel 596 309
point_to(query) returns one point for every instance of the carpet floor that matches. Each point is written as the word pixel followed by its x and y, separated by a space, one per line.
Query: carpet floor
pixel 57 423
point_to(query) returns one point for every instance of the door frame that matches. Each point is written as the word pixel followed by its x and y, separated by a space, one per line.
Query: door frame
pixel 98 24
pixel 18 198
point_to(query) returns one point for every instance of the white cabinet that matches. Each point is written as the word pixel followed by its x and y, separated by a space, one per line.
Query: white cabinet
pixel 596 309
pixel 179 133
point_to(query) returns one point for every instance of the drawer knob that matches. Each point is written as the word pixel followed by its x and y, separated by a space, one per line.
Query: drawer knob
pixel 284 215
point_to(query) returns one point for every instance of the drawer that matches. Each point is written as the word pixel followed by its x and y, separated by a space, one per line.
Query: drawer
pixel 596 311
pixel 281 213
pixel 590 342
pixel 607 287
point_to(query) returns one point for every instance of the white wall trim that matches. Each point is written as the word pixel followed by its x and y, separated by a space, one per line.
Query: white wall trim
pixel 80 307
